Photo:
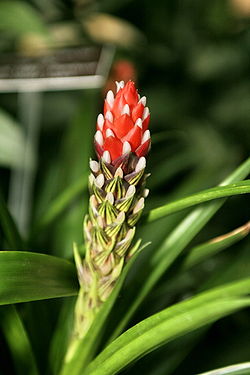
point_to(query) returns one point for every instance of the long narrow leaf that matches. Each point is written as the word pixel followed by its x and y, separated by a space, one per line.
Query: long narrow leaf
pixel 62 202
pixel 239 369
pixel 143 338
pixel 29 276
pixel 241 187
pixel 169 324
pixel 176 242
pixel 18 341
pixel 9 227
pixel 200 252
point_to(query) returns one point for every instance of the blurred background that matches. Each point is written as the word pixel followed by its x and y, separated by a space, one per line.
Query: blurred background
pixel 191 59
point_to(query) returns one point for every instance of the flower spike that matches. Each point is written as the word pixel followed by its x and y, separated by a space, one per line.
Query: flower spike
pixel 124 111
pixel 117 189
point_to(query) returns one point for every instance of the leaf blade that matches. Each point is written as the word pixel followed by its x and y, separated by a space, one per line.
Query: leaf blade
pixel 169 324
pixel 30 276
pixel 238 369
pixel 241 187
pixel 18 341
pixel 9 227
pixel 177 241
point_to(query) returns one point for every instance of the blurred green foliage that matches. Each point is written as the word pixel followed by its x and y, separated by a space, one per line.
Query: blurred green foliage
pixel 193 63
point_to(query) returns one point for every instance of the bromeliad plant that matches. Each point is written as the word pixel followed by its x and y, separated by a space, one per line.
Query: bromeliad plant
pixel 117 193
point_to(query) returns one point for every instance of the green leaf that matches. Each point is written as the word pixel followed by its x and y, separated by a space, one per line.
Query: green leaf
pixel 88 345
pixel 29 20
pixel 18 341
pixel 61 335
pixel 12 141
pixel 29 276
pixel 241 187
pixel 9 227
pixel 61 203
pixel 176 242
pixel 169 324
pixel 239 369
pixel 200 252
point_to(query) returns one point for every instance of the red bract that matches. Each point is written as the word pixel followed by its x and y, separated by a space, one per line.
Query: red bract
pixel 123 128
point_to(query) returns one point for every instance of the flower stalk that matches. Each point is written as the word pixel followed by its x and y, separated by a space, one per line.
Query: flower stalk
pixel 117 193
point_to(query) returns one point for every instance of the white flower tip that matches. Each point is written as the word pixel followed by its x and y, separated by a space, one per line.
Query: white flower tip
pixel 139 206
pixel 141 164
pixel 145 137
pixel 91 179
pixel 119 172
pixel 139 122
pixel 143 100
pixel 109 116
pixel 106 157
pixel 99 137
pixel 130 234
pixel 109 133
pixel 126 110
pixel 99 181
pixel 94 166
pixel 120 218
pixel 110 198
pixel 131 191
pixel 119 85
pixel 145 113
pixel 145 193
pixel 100 120
pixel 110 98
pixel 126 148
pixel 93 201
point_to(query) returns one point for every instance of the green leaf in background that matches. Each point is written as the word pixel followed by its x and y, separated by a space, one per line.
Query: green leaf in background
pixel 169 324
pixel 200 252
pixel 59 204
pixel 176 242
pixel 12 140
pixel 241 187
pixel 239 369
pixel 74 157
pixel 61 336
pixel 19 17
pixel 29 276
pixel 9 227
pixel 18 341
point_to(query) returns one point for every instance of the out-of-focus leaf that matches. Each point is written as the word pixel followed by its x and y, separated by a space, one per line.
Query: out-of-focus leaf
pixel 169 324
pixel 29 276
pixel 73 165
pixel 213 61
pixel 61 336
pixel 18 341
pixel 176 242
pixel 200 252
pixel 12 141
pixel 105 28
pixel 239 369
pixel 8 227
pixel 19 17
pixel 61 202
pixel 241 187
